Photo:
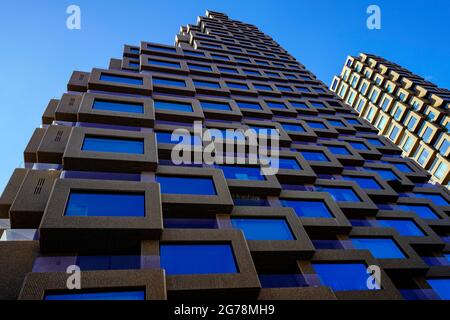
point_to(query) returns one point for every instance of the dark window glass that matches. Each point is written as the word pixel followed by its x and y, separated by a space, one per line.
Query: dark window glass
pixel 336 123
pixel 316 125
pixel 380 248
pixel 358 145
pixel 340 194
pixel 197 259
pixel 169 82
pixel 227 70
pixel 85 204
pixel 113 145
pixel 118 106
pixel 186 185
pixel 193 53
pixel 263 229
pixel 207 84
pixel 199 67
pixel 237 85
pixel 262 87
pixel 441 287
pixel 215 105
pixel 342 276
pixel 386 174
pixel 242 173
pixel 339 150
pixel 164 63
pixel 282 280
pixel 300 105
pixel 276 105
pixel 315 156
pixel 423 211
pixel 249 105
pixel 375 142
pixel 174 106
pixel 308 209
pixel 112 295
pixel 403 167
pixel 289 163
pixel 407 228
pixel 94 263
pixel 436 198
pixel 121 79
pixel 363 182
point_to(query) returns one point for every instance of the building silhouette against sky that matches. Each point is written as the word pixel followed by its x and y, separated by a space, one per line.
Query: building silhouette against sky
pixel 407 109
pixel 99 189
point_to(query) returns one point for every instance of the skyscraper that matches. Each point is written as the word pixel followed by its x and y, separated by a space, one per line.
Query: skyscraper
pixel 407 109
pixel 100 191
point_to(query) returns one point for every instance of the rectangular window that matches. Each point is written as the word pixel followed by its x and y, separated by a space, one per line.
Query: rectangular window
pixel 207 84
pixel 441 171
pixel 186 185
pixel 169 82
pixel 380 248
pixel 363 182
pixel 404 227
pixel 121 79
pixel 118 106
pixel 236 85
pixel 215 106
pixel 316 125
pixel 423 157
pixel 276 105
pixel 308 209
pixel 423 211
pixel 299 105
pixel 339 150
pixel 249 105
pixel 99 144
pixel 408 144
pixel 426 134
pixel 444 147
pixel 411 123
pixel 99 296
pixel 164 63
pixel 315 156
pixel 342 276
pixel 385 104
pixel 340 194
pixel 173 106
pixel 197 259
pixel 289 164
pixel 227 70
pixel 242 173
pixel 199 67
pixel 293 127
pixel 262 87
pixel 263 229
pixel 88 204
pixel 193 53
pixel 394 133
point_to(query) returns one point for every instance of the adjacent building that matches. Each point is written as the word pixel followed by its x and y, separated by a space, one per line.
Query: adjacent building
pixel 409 110
pixel 100 193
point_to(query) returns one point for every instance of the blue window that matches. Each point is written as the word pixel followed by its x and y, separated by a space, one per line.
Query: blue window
pixel 199 67
pixel 437 199
pixel 218 56
pixel 164 63
pixel 316 125
pixel 237 85
pixel 252 72
pixel 422 211
pixel 363 182
pixel 215 106
pixel 133 64
pixel 121 79
pixel 293 127
pixel 441 287
pixel 249 105
pixel 197 259
pixel 358 145
pixel 342 276
pixel 118 106
pixel 276 105
pixel 174 106
pixel 186 185
pixel 341 194
pixel 339 150
pixel 86 204
pixel 407 228
pixel 282 280
pixel 284 88
pixel 166 137
pixel 308 209
pixel 113 145
pixel 169 82
pixel 93 263
pixel 208 84
pixel 353 121
pixel 336 123
pixel 162 49
pixel 112 295
pixel 319 105
pixel 242 173
pixel 227 70
pixel 402 167
pixel 263 229
pixel 262 87
pixel 381 248
pixel 194 53
pixel 289 163
pixel 375 142
pixel 386 174
pixel 241 59
pixel 300 105
pixel 315 156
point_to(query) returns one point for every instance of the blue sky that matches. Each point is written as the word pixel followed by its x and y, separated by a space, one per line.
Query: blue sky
pixel 39 53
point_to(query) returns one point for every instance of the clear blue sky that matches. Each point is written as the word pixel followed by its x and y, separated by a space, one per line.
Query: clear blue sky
pixel 39 53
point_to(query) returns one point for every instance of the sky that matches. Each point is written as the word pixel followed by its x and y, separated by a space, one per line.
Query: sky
pixel 39 53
